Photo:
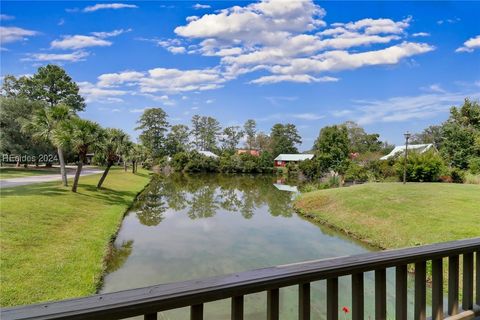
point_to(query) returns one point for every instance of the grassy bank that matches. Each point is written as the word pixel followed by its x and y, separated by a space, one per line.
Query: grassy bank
pixel 11 172
pixel 53 241
pixel 392 215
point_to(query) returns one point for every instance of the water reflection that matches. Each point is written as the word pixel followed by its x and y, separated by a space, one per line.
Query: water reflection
pixel 203 195
pixel 194 226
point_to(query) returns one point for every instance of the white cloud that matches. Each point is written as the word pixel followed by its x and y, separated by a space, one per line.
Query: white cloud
pixel 138 110
pixel 79 42
pixel 307 116
pixel 59 57
pixel 176 50
pixel 421 34
pixel 97 39
pixel 302 78
pixel 209 101
pixel 454 20
pixel 13 34
pixel 470 45
pixel 285 38
pixel 164 80
pixel 434 88
pixel 398 109
pixel 5 17
pixel 201 6
pixel 93 93
pixel 101 6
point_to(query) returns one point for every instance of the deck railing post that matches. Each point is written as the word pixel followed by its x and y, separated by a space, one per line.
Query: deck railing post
pixel 478 277
pixel 304 301
pixel 237 308
pixel 273 304
pixel 332 299
pixel 380 294
pixel 401 292
pixel 196 312
pixel 420 290
pixel 437 289
pixel 357 296
pixel 150 316
pixel 453 284
pixel 467 302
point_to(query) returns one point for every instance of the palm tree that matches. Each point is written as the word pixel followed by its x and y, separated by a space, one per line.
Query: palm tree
pixel 112 147
pixel 127 153
pixel 82 136
pixel 43 125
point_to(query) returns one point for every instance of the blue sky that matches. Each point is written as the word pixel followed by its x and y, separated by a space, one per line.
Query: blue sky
pixel 391 66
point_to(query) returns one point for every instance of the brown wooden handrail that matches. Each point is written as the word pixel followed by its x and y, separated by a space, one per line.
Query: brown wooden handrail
pixel 194 293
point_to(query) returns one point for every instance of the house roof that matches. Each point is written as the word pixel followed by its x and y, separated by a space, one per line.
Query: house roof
pixel 286 187
pixel 208 154
pixel 294 157
pixel 400 149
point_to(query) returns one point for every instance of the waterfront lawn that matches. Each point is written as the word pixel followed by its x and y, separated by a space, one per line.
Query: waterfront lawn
pixel 393 215
pixel 53 242
pixel 11 172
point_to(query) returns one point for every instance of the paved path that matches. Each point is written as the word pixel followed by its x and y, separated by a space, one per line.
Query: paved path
pixel 15 182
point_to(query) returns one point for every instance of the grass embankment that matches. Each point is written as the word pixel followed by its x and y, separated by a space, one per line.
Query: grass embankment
pixel 392 215
pixel 53 241
pixel 11 172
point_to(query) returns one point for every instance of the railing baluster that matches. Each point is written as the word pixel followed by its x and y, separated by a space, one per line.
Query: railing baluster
pixel 196 312
pixel 467 302
pixel 401 292
pixel 420 290
pixel 237 308
pixel 332 299
pixel 478 278
pixel 380 294
pixel 453 285
pixel 150 316
pixel 272 304
pixel 357 296
pixel 304 301
pixel 437 289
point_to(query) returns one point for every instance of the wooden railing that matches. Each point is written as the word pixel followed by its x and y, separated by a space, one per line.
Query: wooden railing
pixel 195 293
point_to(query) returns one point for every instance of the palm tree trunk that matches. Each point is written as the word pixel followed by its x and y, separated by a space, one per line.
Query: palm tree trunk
pixel 63 172
pixel 77 173
pixel 133 166
pixel 125 165
pixel 104 175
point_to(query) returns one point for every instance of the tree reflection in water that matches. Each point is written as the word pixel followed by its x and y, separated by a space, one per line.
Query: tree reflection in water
pixel 202 195
pixel 118 256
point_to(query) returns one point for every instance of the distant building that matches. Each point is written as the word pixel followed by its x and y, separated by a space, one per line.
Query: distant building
pixel 420 148
pixel 284 158
pixel 255 153
pixel 208 154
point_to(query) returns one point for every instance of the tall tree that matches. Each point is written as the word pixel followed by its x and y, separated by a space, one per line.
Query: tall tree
pixel 111 149
pixel 461 133
pixel 196 131
pixel 50 84
pixel 82 136
pixel 284 138
pixel 231 137
pixel 154 125
pixel 262 142
pixel 332 148
pixel 205 131
pixel 42 126
pixel 250 128
pixel 360 141
pixel 177 139
pixel 432 134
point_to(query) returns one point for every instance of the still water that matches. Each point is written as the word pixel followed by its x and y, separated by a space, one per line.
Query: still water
pixel 187 227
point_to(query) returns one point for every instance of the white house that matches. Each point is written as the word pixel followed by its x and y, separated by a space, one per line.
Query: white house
pixel 208 154
pixel 284 158
pixel 420 148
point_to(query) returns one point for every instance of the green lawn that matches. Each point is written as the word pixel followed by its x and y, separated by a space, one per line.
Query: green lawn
pixel 392 215
pixel 11 172
pixel 53 242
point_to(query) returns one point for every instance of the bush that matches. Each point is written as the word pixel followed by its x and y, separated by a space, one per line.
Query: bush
pixel 474 165
pixel 457 175
pixel 382 170
pixel 421 167
pixel 472 178
pixel 179 161
pixel 356 173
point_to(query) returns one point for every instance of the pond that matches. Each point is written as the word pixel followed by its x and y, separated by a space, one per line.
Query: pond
pixel 193 226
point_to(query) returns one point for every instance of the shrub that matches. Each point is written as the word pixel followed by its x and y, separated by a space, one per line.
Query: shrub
pixel 457 175
pixel 179 161
pixel 357 173
pixel 474 165
pixel 421 167
pixel 472 178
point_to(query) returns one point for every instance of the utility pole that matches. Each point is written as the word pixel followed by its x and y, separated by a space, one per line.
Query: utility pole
pixel 407 136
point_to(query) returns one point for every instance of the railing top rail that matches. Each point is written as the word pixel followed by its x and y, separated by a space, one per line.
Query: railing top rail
pixel 174 295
